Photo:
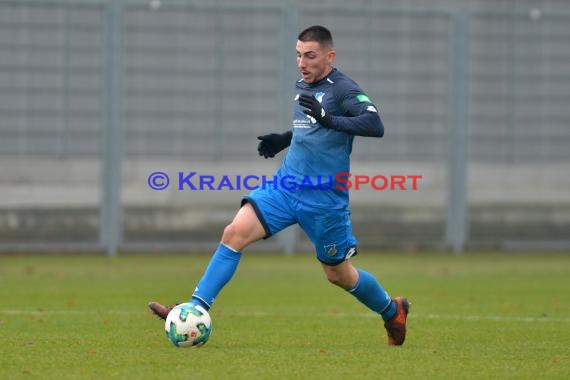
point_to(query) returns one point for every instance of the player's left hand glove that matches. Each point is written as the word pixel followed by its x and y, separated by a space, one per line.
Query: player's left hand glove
pixel 313 108
pixel 273 143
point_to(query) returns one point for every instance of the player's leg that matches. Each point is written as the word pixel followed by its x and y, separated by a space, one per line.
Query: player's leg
pixel 244 229
pixel 263 213
pixel 368 290
pixel 363 286
pixel 331 233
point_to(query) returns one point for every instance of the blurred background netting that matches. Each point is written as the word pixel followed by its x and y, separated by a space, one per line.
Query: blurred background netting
pixel 96 95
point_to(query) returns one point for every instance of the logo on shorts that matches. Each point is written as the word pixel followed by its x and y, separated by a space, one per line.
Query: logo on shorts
pixel 330 250
pixel 351 252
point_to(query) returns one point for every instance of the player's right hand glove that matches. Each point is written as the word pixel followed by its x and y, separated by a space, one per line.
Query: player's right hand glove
pixel 313 108
pixel 273 143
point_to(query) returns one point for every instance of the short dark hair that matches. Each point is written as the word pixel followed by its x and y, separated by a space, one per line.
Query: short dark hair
pixel 317 33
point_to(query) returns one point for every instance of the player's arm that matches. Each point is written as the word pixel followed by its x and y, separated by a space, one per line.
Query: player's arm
pixel 273 143
pixel 363 120
pixel 366 124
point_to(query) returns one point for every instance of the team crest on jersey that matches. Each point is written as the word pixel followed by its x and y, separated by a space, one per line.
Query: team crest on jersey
pixel 319 96
pixel 330 250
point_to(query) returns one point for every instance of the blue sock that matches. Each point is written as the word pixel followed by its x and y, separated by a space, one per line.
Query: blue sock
pixel 368 291
pixel 220 270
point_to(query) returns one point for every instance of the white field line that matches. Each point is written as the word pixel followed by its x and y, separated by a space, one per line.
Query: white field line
pixel 255 314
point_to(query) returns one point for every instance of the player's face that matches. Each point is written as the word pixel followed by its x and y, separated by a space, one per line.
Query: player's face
pixel 314 62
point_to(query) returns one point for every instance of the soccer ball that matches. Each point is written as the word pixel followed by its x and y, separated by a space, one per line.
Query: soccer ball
pixel 188 325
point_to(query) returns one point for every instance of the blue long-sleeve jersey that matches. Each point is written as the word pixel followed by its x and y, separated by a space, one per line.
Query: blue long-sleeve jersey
pixel 317 154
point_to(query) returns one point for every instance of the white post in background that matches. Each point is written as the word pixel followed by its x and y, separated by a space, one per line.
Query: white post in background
pixel 110 222
pixel 456 219
pixel 288 238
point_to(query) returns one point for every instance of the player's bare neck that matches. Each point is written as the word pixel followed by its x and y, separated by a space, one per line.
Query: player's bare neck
pixel 325 74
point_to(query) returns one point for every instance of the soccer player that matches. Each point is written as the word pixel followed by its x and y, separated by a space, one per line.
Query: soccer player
pixel 329 110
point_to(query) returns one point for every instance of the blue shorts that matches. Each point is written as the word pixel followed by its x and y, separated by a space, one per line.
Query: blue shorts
pixel 329 230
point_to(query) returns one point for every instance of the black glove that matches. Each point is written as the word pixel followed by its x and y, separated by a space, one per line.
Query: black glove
pixel 273 143
pixel 313 108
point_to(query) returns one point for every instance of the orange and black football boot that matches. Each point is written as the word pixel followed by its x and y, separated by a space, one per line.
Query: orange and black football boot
pixel 396 326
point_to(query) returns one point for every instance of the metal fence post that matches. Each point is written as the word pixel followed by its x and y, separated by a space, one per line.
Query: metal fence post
pixel 456 218
pixel 111 217
pixel 288 238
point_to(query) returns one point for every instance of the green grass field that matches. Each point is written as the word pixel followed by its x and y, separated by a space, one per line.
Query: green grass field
pixel 474 316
